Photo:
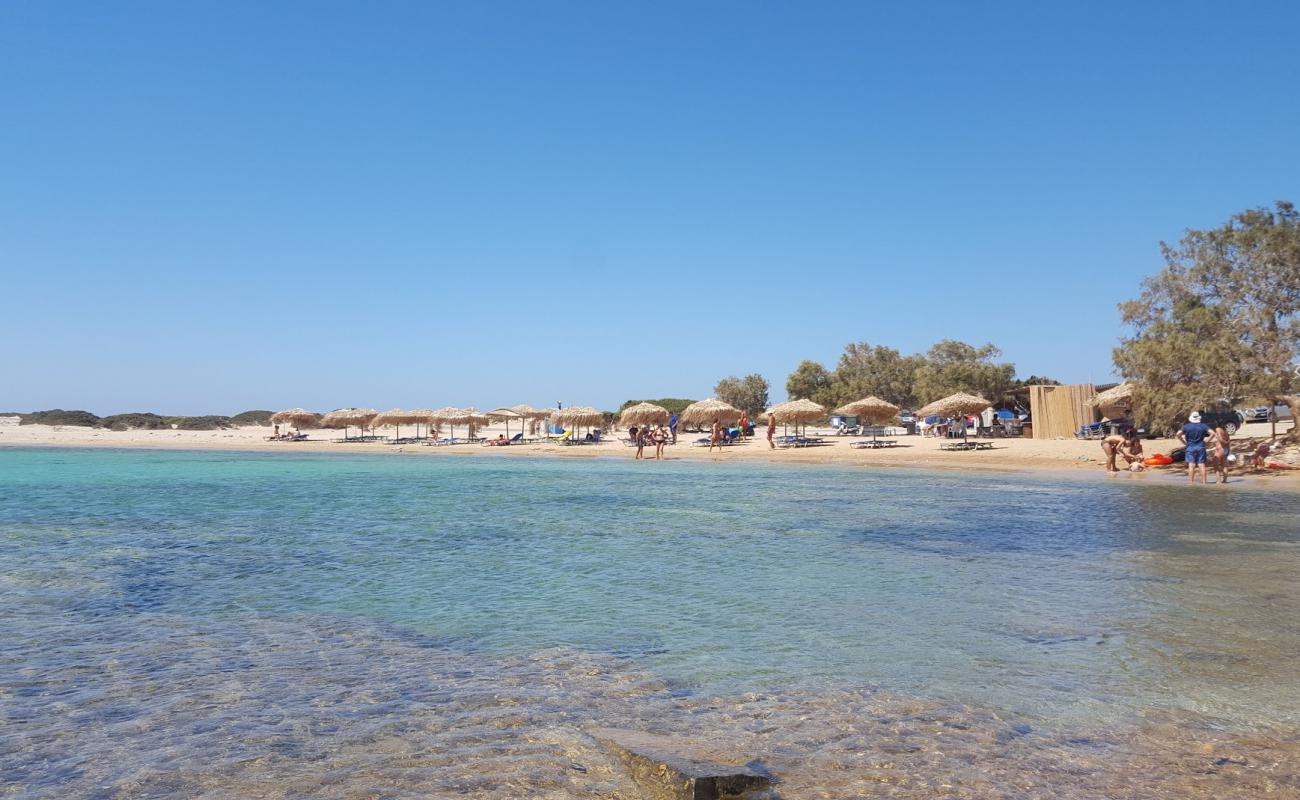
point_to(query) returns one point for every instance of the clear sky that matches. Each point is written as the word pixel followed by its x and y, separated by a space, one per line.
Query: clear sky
pixel 210 207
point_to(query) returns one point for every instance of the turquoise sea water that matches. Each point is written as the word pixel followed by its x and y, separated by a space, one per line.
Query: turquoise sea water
pixel 1076 605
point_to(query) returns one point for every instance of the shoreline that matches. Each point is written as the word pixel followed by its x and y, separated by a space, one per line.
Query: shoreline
pixel 1009 456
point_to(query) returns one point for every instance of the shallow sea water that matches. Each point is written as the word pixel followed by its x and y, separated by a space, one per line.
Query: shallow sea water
pixel 183 624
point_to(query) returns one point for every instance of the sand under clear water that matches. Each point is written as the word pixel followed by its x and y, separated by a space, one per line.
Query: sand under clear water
pixel 265 625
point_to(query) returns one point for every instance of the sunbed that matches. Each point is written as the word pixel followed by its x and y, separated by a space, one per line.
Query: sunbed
pixel 516 439
pixel 872 444
pixel 799 441
pixel 966 445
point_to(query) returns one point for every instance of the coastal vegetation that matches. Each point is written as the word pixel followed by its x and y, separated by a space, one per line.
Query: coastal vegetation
pixel 748 393
pixel 907 381
pixel 142 420
pixel 1220 322
pixel 673 404
pixel 58 416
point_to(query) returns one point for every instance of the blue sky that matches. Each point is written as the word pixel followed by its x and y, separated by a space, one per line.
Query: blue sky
pixel 208 207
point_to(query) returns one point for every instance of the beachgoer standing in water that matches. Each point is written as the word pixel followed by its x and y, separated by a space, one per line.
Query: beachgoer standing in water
pixel 1222 448
pixel 660 439
pixel 1126 444
pixel 1194 434
pixel 715 439
pixel 771 429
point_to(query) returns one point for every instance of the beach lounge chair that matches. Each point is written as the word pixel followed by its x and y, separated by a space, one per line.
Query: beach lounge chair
pixel 966 445
pixel 873 444
pixel 1092 430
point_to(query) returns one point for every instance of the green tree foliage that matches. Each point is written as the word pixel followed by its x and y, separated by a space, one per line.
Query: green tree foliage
pixel 1220 321
pixel 812 381
pixel 866 370
pixel 952 366
pixel 210 422
pixel 58 416
pixel 673 404
pixel 748 393
pixel 1036 380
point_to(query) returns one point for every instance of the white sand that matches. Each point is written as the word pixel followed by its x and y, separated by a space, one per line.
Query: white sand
pixel 912 451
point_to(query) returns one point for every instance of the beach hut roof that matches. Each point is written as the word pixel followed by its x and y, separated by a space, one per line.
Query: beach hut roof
pixel 797 411
pixel 297 417
pixel 644 414
pixel 503 413
pixel 955 405
pixel 869 409
pixel 1113 395
pixel 708 410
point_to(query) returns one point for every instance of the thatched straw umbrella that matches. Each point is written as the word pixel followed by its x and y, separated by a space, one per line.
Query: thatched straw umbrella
pixel 298 418
pixel 475 419
pixel 396 417
pixel 533 415
pixel 644 414
pixel 577 417
pixel 872 410
pixel 450 416
pixel 705 411
pixel 797 411
pixel 506 414
pixel 422 416
pixel 1116 398
pixel 957 405
pixel 453 416
pixel 347 417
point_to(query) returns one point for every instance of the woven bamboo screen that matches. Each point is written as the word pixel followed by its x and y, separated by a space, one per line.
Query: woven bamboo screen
pixel 1058 411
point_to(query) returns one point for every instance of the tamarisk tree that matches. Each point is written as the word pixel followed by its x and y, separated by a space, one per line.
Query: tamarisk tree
pixel 1221 320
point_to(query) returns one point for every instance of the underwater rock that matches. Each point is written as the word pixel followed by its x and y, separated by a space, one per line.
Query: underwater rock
pixel 670 768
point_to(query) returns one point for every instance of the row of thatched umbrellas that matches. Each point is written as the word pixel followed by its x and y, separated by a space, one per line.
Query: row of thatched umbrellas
pixel 363 418
pixel 871 410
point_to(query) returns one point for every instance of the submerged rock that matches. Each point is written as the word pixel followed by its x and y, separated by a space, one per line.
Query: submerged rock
pixel 670 768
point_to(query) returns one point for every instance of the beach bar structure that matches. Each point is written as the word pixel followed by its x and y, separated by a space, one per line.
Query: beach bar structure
pixel 1057 412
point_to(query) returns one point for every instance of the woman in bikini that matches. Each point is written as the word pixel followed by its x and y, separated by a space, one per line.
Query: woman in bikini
pixel 1126 444
pixel 1222 447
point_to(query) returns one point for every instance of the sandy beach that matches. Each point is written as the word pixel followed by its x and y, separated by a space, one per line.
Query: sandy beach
pixel 1012 454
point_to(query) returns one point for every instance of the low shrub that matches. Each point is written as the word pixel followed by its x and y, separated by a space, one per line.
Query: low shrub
pixel 262 418
pixel 142 420
pixel 58 416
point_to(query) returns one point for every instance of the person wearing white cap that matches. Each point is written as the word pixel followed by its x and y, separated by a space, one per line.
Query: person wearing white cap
pixel 1194 434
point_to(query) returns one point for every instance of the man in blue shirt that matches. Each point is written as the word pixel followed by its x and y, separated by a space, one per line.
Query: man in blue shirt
pixel 1194 434
pixel 672 426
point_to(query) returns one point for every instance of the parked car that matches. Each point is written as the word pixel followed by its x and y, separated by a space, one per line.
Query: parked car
pixel 1277 413
pixel 1256 414
pixel 1231 418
